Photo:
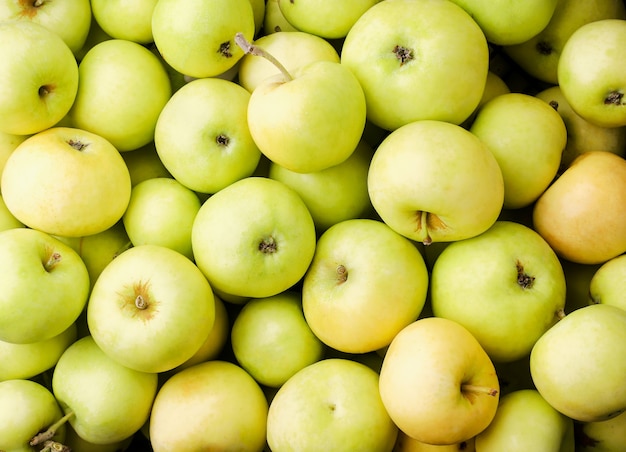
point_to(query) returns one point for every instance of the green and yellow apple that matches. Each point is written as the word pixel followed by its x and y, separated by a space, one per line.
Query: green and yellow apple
pixel 214 405
pixel 424 59
pixel 274 21
pixel 45 286
pixel 7 219
pixel 38 77
pixel 258 12
pixel 125 20
pixel 8 143
pixel 66 182
pixel 433 181
pixel 608 283
pixel 202 135
pixel 330 405
pixel 578 365
pixel 254 238
pixel 123 88
pixel 151 309
pixel 444 390
pixel 603 436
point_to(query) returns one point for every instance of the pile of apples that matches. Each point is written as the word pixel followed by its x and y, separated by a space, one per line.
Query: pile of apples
pixel 366 225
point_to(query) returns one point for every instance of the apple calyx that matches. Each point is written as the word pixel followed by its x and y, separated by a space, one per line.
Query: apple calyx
pixel 477 389
pixel 524 280
pixel 224 49
pixel 403 54
pixel 426 222
pixel 342 274
pixel 614 98
pixel 268 245
pixel 77 144
pixel 544 48
pixel 45 437
pixel 252 49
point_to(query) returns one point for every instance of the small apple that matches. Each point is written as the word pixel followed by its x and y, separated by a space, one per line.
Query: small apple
pixel 144 163
pixel 330 405
pixel 8 143
pixel 602 436
pixel 608 283
pixel 125 20
pixel 274 20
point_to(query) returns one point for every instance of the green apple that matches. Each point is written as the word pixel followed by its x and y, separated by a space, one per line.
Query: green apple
pixel 506 286
pixel 603 436
pixel 527 137
pixel 274 20
pixel 144 163
pixel 579 364
pixel 330 405
pixel 125 20
pixel 539 55
pixel 328 19
pixel 66 182
pixel 592 72
pixel 292 49
pixel 161 211
pixel 335 194
pixel 109 401
pixel 582 214
pixel 123 88
pixel 524 422
pixel 254 238
pixel 8 143
pixel 433 181
pixel 197 38
pixel 307 120
pixel 202 135
pixel 45 286
pixel 271 339
pixel 38 77
pixel 151 309
pixel 494 86
pixel 7 219
pixel 366 283
pixel 26 409
pixel 582 135
pixel 448 377
pixel 404 443
pixel 424 59
pixel 29 360
pixel 608 282
pixel 214 405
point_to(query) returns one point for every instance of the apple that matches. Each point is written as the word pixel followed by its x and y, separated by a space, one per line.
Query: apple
pixel 582 214
pixel 7 219
pixel 292 49
pixel 603 436
pixel 417 60
pixel 335 194
pixel 254 238
pixel 66 182
pixel 109 402
pixel 26 409
pixel 607 283
pixel 197 38
pixel 202 136
pixel 591 72
pixel 494 87
pixel 24 361
pixel 445 389
pixel 161 211
pixel 38 77
pixel 539 55
pixel 214 405
pixel 329 20
pixel 274 21
pixel 578 365
pixel 144 163
pixel 404 443
pixel 527 137
pixel 271 339
pixel 45 286
pixel 151 309
pixel 8 143
pixel 77 444
pixel 123 88
pixel 525 421
pixel 433 181
pixel 330 405
pixel 125 20
pixel 366 283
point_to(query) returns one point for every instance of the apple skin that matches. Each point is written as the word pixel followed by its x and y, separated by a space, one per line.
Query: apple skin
pixel 214 405
pixel 607 283
pixel 7 219
pixel 144 163
pixel 603 436
pixel 578 366
pixel 274 20
pixel 150 309
pixel 38 77
pixel 405 443
pixel 330 405
pixel 125 20
pixel 8 143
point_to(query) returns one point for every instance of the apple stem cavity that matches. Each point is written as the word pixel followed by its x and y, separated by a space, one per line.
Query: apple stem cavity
pixel 252 49
pixel 47 435
pixel 479 390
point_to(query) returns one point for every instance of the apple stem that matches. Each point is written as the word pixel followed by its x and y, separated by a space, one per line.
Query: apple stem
pixel 53 260
pixel 250 48
pixel 560 314
pixel 479 389
pixel 52 430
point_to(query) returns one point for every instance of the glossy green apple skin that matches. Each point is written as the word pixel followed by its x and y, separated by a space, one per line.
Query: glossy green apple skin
pixel 125 20
pixel 448 62
pixel 202 135
pixel 26 409
pixel 38 77
pixel 330 405
pixel 608 282
pixel 592 72
pixel 254 238
pixel 578 365
pixel 214 405
pixel 98 390
pixel 46 285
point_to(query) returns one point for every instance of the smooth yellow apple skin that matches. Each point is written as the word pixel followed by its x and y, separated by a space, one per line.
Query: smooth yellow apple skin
pixel 608 282
pixel 582 215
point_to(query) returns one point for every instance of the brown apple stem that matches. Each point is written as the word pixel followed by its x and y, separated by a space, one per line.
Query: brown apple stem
pixel 54 446
pixel 479 389
pixel 250 48
pixel 51 431
pixel 53 260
